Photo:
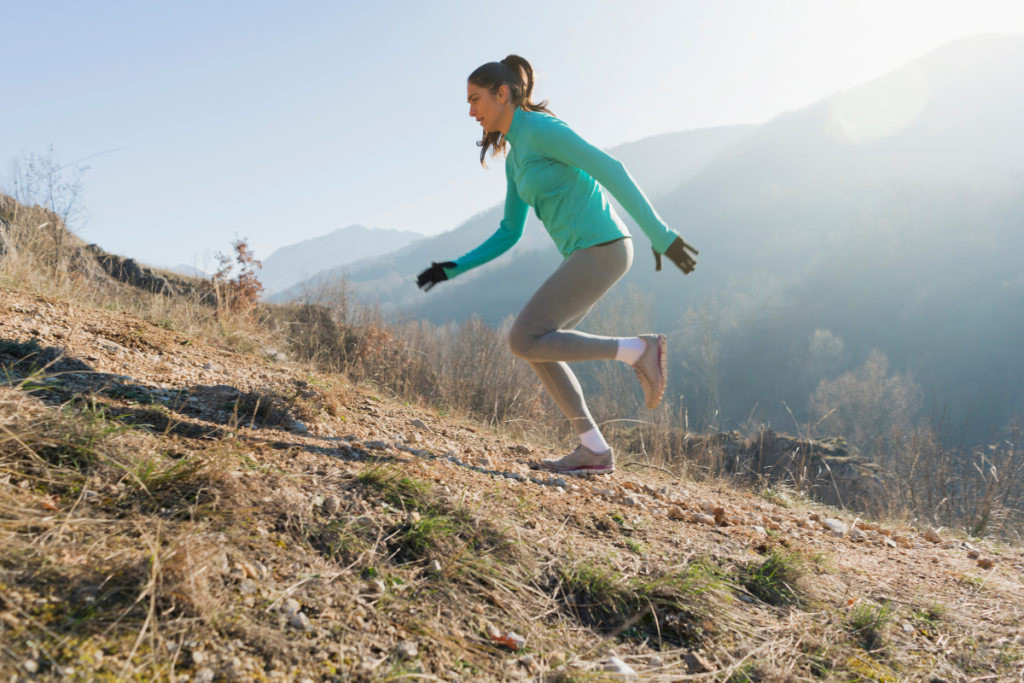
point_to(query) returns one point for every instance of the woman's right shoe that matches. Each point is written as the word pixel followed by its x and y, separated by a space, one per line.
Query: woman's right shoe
pixel 651 369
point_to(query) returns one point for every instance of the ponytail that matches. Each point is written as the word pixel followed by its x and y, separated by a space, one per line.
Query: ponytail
pixel 516 73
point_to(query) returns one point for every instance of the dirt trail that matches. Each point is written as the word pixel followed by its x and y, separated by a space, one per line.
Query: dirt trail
pixel 338 533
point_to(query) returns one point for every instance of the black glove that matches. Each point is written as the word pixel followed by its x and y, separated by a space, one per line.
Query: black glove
pixel 676 253
pixel 434 274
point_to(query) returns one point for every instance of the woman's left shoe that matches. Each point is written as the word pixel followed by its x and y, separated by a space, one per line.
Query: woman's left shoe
pixel 582 461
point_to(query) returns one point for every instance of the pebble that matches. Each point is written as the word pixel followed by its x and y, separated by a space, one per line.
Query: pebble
pixel 419 424
pixel 836 527
pixel 407 649
pixel 986 562
pixel 933 536
pixel 291 607
pixel 204 675
pixel 301 622
pixel 30 665
pixel 332 504
pixel 413 517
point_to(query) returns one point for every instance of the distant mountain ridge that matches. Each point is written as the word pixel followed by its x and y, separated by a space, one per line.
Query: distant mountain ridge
pixel 296 262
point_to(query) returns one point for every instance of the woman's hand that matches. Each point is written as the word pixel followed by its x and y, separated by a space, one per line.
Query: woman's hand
pixel 434 274
pixel 676 253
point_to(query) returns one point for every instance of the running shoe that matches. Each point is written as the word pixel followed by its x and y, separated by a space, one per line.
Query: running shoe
pixel 651 369
pixel 582 461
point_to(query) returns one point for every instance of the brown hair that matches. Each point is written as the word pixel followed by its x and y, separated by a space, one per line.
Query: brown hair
pixel 517 74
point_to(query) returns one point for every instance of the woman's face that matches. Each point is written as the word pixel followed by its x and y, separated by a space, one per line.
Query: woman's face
pixel 486 108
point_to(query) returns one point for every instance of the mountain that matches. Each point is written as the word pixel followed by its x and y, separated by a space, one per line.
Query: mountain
pixel 659 164
pixel 190 271
pixel 292 264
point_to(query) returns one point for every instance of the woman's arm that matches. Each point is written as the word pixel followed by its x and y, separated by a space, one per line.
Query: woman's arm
pixel 560 143
pixel 505 238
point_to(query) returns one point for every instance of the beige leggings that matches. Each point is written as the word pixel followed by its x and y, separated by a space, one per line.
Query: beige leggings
pixel 544 333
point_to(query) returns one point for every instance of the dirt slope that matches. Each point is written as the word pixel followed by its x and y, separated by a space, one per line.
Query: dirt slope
pixel 173 511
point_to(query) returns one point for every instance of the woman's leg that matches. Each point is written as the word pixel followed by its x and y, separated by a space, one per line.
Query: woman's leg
pixel 542 332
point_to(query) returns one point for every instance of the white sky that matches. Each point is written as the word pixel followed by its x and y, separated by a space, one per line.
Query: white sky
pixel 284 121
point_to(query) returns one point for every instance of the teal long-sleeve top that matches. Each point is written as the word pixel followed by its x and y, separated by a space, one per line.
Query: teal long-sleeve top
pixel 563 178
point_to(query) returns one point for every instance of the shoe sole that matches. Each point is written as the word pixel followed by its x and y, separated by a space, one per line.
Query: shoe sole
pixel 663 368
pixel 589 471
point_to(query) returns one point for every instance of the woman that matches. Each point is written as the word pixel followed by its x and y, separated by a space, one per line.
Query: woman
pixel 564 179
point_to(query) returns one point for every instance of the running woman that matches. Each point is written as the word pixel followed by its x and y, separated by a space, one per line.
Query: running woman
pixel 564 179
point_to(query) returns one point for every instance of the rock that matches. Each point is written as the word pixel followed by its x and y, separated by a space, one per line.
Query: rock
pixel 836 527
pixel 720 517
pixel 759 530
pixel 523 448
pixel 698 518
pixel 290 607
pixel 376 445
pixel 413 437
pixel 655 662
pixel 332 504
pixel 407 649
pixel 30 666
pixel 483 462
pixel 301 622
pixel 857 535
pixel 413 517
pixel 629 501
pixel 986 562
pixel 435 567
pixel 109 347
pixel 974 554
pixel 419 424
pixel 696 664
pixel 204 675
pixel 530 663
pixel 364 522
pixel 620 670
pixel 932 536
pixel 676 512
pixel 247 587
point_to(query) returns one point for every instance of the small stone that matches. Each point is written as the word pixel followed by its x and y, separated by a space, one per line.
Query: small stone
pixel 629 501
pixel 523 448
pixel 857 535
pixel 413 437
pixel 932 536
pixel 620 670
pixel 30 666
pixel 720 517
pixel 247 587
pixel 364 522
pixel 759 530
pixel 301 622
pixel 483 462
pixel 676 512
pixel 419 424
pixel 332 504
pixel 204 675
pixel 986 562
pixel 974 554
pixel 836 527
pixel 407 649
pixel 291 607
pixel 413 517
pixel 703 519
pixel 655 662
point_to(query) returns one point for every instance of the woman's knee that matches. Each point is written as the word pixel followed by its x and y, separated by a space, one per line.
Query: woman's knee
pixel 521 343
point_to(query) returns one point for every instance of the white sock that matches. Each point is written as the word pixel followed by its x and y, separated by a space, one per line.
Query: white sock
pixel 630 349
pixel 594 441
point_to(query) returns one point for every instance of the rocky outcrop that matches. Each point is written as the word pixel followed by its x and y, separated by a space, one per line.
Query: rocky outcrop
pixel 830 470
pixel 131 272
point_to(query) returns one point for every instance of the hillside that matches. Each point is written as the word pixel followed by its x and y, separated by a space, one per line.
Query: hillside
pixel 169 509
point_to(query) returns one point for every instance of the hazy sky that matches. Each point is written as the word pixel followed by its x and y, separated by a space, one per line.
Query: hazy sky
pixel 283 121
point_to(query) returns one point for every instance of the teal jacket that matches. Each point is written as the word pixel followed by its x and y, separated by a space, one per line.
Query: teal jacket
pixel 563 178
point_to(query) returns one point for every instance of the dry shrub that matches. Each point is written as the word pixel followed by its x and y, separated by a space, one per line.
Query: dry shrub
pixel 863 404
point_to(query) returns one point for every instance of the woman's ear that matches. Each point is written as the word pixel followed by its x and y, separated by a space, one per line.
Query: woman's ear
pixel 503 94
